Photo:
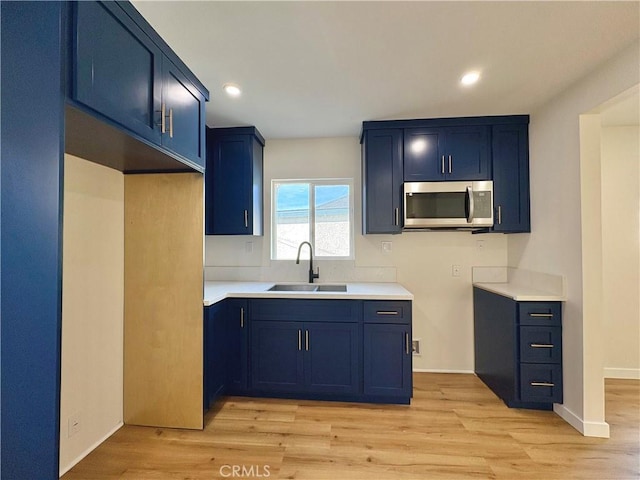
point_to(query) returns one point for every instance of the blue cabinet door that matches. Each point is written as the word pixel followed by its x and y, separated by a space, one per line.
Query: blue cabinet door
pixel 233 181
pixel 387 360
pixel 468 152
pixel 184 115
pixel 424 154
pixel 237 346
pixel 447 153
pixel 118 68
pixel 331 353
pixel 214 355
pixel 382 181
pixel 510 144
pixel 277 356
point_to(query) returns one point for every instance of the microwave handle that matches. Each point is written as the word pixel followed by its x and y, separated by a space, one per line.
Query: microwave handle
pixel 469 202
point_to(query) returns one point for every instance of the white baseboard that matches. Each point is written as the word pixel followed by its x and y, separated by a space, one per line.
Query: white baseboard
pixel 628 373
pixel 588 429
pixel 75 461
pixel 436 370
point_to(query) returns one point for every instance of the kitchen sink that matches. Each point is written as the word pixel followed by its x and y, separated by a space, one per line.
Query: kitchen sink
pixel 306 287
pixel 331 288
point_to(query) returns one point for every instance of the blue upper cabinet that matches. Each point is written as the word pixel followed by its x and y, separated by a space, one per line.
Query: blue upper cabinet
pixel 511 178
pixel 125 75
pixel 184 126
pixel 118 69
pixel 233 181
pixel 447 153
pixel 382 181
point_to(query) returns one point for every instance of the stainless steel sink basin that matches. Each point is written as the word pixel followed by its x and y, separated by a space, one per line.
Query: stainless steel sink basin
pixel 300 287
pixel 306 287
pixel 331 288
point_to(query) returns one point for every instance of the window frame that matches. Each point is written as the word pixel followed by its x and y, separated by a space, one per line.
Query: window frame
pixel 313 182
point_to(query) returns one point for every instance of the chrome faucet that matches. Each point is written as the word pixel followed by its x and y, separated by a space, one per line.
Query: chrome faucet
pixel 312 275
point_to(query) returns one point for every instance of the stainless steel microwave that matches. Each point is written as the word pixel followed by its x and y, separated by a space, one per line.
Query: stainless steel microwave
pixel 460 205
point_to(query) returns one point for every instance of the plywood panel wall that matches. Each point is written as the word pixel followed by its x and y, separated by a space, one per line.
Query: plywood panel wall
pixel 163 300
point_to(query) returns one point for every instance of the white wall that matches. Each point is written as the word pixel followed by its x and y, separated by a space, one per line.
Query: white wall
pixel 556 242
pixel 92 307
pixel 421 261
pixel 621 249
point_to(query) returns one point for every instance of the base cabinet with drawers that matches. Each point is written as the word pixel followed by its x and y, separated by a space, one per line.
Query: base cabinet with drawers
pixel 325 349
pixel 518 349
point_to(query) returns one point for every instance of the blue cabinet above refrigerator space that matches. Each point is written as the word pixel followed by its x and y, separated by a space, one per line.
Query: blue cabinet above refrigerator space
pixel 133 104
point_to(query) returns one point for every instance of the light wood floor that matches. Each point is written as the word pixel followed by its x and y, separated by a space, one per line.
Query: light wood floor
pixel 455 428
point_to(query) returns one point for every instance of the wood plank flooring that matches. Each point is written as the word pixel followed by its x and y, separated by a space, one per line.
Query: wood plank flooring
pixel 455 428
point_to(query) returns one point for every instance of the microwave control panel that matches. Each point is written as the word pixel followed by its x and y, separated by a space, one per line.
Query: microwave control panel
pixel 482 204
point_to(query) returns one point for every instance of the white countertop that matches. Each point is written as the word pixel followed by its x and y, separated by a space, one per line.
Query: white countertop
pixel 520 293
pixel 214 292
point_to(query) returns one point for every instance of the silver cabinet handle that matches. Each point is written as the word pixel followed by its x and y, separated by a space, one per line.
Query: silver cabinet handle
pixel 406 343
pixel 246 219
pixel 299 339
pixel 442 165
pixel 241 317
pixel 385 312
pixel 499 214
pixel 171 123
pixel 541 345
pixel 396 219
pixel 541 315
pixel 450 163
pixel 542 384
pixel 306 340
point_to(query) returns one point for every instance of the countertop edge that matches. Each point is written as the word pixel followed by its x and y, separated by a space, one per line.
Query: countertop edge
pixel 520 293
pixel 239 293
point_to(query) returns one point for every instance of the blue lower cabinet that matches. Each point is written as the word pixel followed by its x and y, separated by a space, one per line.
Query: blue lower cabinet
pixel 236 347
pixel 518 349
pixel 276 356
pixel 314 349
pixel 387 360
pixel 331 353
pixel 214 354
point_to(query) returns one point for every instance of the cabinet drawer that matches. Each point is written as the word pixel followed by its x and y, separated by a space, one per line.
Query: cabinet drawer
pixel 539 313
pixel 540 344
pixel 540 383
pixel 387 311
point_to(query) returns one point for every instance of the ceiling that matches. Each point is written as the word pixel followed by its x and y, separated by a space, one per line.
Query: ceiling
pixel 318 69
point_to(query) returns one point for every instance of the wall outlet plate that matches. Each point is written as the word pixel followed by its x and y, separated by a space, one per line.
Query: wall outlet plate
pixel 415 346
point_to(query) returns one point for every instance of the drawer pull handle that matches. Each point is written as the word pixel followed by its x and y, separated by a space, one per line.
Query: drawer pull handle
pixel 384 312
pixel 542 384
pixel 541 315
pixel 542 345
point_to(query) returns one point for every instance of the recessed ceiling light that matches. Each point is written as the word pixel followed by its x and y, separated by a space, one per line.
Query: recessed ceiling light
pixel 470 78
pixel 232 89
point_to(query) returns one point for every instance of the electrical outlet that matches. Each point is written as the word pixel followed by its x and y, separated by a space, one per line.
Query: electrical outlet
pixel 415 346
pixel 73 425
pixel 387 247
pixel 455 270
pixel 480 244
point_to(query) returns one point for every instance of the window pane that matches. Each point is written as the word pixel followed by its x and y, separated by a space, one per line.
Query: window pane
pixel 291 219
pixel 332 230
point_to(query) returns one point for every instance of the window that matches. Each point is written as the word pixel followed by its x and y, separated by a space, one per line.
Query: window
pixel 316 211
